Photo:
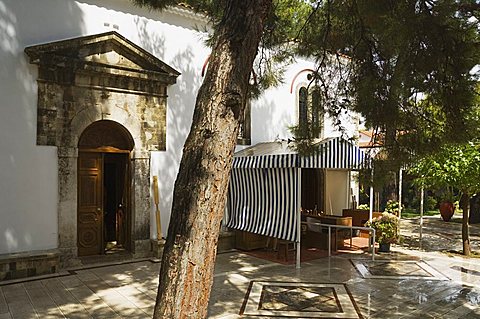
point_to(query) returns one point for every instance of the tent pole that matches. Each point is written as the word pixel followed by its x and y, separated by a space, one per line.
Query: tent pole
pixel 421 216
pixel 370 214
pixel 400 179
pixel 299 215
pixel 349 189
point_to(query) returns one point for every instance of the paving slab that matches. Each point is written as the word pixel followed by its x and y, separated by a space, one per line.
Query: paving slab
pixel 416 280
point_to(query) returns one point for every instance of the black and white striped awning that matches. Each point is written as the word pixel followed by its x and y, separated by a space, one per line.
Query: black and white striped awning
pixel 335 153
pixel 264 187
pixel 330 153
pixel 264 201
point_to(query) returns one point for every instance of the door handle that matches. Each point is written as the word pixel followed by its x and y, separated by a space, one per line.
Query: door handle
pixel 99 211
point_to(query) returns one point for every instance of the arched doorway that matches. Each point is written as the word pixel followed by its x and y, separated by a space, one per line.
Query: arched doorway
pixel 103 210
pixel 130 89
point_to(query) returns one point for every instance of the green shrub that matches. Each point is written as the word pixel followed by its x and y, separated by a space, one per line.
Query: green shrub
pixel 392 207
pixel 386 228
pixel 429 203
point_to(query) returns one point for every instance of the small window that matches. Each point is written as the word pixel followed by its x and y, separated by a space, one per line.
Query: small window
pixel 310 112
pixel 317 109
pixel 303 106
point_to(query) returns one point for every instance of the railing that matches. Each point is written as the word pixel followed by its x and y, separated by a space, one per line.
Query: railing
pixel 330 226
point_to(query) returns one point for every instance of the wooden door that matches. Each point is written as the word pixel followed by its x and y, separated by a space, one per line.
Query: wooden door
pixel 90 204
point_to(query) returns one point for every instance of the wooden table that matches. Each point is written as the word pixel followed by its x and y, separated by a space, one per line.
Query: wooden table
pixel 360 217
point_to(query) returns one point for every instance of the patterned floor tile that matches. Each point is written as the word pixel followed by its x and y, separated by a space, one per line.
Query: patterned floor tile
pixel 299 300
pixel 406 269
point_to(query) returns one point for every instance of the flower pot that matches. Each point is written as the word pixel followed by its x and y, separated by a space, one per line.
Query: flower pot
pixel 446 210
pixel 384 247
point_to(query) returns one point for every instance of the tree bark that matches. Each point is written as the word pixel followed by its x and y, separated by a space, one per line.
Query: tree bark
pixel 186 273
pixel 465 233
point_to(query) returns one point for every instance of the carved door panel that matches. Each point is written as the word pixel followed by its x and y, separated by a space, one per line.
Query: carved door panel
pixel 90 204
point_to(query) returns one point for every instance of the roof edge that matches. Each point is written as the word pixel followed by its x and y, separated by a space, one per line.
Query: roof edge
pixel 35 51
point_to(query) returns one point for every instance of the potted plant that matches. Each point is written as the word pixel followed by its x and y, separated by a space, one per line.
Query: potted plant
pixel 386 230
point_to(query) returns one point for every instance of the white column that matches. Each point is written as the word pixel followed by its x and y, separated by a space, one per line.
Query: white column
pixel 299 215
pixel 421 215
pixel 370 214
pixel 400 179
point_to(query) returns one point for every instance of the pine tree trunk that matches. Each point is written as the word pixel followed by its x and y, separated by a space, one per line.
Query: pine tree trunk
pixel 186 273
pixel 465 233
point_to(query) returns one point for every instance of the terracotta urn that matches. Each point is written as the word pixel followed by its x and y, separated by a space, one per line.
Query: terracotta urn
pixel 446 210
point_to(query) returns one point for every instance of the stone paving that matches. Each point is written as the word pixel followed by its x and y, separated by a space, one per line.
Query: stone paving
pixel 409 282
pixel 438 235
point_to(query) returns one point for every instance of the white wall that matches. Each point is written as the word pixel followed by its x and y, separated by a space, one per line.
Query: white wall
pixel 337 191
pixel 28 173
pixel 277 109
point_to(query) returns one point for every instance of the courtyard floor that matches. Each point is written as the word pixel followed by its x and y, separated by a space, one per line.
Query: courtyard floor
pixel 413 281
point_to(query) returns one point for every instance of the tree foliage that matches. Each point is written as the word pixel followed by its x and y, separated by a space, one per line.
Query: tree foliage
pixel 410 70
pixel 283 24
pixel 453 165
pixel 404 65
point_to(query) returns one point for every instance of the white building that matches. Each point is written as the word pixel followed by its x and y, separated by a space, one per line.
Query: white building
pixel 122 56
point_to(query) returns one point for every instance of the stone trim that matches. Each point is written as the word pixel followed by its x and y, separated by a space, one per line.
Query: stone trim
pixel 26 264
pixel 94 78
pixel 82 47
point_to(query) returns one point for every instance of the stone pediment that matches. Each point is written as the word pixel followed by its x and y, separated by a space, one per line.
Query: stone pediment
pixel 100 77
pixel 106 52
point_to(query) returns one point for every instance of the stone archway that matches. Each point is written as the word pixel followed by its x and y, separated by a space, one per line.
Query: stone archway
pixel 104 202
pixel 94 78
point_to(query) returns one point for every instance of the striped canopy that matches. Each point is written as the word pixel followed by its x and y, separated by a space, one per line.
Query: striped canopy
pixel 264 182
pixel 264 201
pixel 331 153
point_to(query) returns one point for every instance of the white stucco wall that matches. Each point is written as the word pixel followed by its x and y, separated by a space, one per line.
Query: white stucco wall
pixel 337 192
pixel 28 173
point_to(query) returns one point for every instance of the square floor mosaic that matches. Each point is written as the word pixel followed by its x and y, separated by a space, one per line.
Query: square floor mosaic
pixel 299 300
pixel 397 270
